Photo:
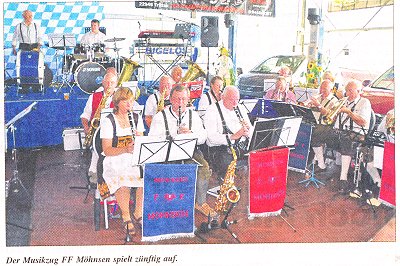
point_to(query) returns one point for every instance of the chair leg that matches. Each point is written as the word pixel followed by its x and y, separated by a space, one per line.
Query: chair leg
pixel 105 213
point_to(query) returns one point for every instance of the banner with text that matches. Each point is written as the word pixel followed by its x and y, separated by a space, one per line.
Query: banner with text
pixel 387 193
pixel 298 157
pixel 265 8
pixel 268 176
pixel 168 208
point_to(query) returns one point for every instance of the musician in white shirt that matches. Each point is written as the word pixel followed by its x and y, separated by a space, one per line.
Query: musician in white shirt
pixel 153 101
pixel 94 36
pixel 212 95
pixel 237 128
pixel 177 119
pixel 351 124
pixel 321 105
pixel 27 34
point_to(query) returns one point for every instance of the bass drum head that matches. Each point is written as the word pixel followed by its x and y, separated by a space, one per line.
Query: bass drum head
pixel 88 76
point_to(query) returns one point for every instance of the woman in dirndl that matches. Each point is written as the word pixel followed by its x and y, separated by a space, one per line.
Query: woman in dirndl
pixel 117 137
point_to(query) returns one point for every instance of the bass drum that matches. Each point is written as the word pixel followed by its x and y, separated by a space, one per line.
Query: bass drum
pixel 88 76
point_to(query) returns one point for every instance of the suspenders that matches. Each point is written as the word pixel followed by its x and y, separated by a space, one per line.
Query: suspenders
pixel 22 36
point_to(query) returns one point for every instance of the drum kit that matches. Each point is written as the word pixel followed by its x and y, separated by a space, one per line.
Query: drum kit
pixel 87 65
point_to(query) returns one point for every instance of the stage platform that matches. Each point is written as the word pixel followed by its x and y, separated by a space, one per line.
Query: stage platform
pixel 56 109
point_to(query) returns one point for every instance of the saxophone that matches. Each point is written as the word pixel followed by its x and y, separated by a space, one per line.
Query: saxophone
pixel 161 103
pixel 228 190
pixel 95 122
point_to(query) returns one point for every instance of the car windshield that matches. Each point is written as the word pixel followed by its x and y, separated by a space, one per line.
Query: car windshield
pixel 274 64
pixel 385 81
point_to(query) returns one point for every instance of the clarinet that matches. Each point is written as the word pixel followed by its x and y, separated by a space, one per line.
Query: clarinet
pixel 130 118
pixel 179 119
pixel 240 144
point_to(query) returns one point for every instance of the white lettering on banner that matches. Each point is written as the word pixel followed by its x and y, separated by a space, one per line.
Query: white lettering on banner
pixel 165 50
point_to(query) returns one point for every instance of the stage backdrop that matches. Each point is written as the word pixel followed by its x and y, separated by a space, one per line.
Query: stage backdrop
pixel 61 17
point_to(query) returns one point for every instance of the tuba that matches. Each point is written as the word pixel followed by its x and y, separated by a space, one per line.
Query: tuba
pixel 330 117
pixel 127 70
pixel 194 72
pixel 228 190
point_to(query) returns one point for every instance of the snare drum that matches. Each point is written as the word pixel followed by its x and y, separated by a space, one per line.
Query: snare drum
pixel 88 76
pixel 30 67
pixel 81 51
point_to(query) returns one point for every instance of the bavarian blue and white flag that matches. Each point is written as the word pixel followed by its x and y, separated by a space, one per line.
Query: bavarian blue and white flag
pixel 169 195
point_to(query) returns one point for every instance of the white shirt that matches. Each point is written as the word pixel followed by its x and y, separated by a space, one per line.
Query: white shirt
pixel 362 107
pixel 157 127
pixel 87 111
pixel 91 38
pixel 26 34
pixel 151 104
pixel 213 123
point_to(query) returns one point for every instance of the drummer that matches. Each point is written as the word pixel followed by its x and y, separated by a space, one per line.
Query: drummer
pixel 27 34
pixel 94 35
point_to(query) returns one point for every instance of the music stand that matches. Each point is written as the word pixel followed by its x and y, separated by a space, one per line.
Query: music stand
pixel 157 149
pixel 281 131
pixel 11 125
pixel 62 41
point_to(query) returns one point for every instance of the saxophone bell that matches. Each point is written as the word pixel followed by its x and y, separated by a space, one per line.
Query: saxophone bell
pixel 233 194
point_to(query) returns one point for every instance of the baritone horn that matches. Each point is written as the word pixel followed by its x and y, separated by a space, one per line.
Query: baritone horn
pixel 194 72
pixel 330 117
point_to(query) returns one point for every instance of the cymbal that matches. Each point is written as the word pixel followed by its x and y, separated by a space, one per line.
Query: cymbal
pixel 114 40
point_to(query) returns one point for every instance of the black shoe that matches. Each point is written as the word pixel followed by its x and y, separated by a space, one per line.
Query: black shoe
pixel 343 186
pixel 318 169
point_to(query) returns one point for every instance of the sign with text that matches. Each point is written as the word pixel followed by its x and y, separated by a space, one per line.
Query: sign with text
pixel 265 8
pixel 267 188
pixel 168 208
pixel 388 184
pixel 298 157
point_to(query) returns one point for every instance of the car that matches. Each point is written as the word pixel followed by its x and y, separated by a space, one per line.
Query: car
pixel 251 85
pixel 380 92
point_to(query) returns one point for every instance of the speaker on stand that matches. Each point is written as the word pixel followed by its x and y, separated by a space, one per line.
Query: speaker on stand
pixel 209 36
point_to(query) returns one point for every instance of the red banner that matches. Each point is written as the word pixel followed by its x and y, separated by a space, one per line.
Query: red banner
pixel 268 175
pixel 388 185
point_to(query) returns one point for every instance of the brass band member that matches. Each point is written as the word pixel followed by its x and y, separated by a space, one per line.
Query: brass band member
pixel 27 34
pixel 117 142
pixel 321 104
pixel 157 100
pixel 351 125
pixel 217 139
pixel 178 119
pixel 281 92
pixel 176 74
pixel 109 83
pixel 213 94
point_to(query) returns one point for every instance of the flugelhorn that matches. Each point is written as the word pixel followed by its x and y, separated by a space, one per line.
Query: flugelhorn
pixel 161 102
pixel 330 117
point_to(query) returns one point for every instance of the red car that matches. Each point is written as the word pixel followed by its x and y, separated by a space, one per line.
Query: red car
pixel 381 92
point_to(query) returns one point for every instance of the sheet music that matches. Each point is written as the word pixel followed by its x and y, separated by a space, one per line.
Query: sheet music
pixel 182 147
pixel 57 40
pixel 150 149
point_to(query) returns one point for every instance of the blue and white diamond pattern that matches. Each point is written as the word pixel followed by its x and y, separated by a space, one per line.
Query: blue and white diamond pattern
pixel 58 17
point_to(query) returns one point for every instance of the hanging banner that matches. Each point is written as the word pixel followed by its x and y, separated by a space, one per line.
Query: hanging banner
pixel 264 8
pixel 268 176
pixel 168 208
pixel 387 193
pixel 298 157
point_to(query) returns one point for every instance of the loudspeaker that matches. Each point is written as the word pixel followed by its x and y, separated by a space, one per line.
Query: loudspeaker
pixel 209 31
